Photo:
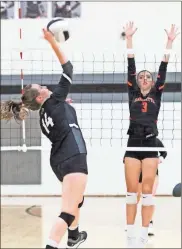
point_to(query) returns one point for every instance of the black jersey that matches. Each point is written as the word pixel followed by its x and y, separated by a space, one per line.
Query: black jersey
pixel 160 144
pixel 58 121
pixel 144 110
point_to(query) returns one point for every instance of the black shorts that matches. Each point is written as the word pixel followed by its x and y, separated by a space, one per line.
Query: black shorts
pixel 140 155
pixel 140 177
pixel 75 164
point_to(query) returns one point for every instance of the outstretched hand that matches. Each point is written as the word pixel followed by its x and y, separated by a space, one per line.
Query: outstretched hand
pixel 172 33
pixel 48 35
pixel 129 29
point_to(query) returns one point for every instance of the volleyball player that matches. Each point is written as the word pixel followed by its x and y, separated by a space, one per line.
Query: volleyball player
pixel 144 105
pixel 68 159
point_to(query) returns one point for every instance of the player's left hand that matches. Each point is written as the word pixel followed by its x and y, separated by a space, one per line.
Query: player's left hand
pixel 172 33
pixel 69 101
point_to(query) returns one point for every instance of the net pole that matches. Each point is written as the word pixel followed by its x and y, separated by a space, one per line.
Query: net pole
pixel 24 147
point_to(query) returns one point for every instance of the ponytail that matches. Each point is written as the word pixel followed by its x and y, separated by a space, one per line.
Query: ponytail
pixel 11 109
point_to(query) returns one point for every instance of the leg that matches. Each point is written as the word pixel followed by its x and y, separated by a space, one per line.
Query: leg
pixel 150 232
pixel 75 238
pixel 139 188
pixel 156 183
pixel 72 191
pixel 77 216
pixel 76 220
pixel 149 168
pixel 132 172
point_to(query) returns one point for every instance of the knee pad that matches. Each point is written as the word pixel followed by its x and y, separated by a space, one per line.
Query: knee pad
pixel 131 198
pixel 68 218
pixel 147 200
pixel 81 203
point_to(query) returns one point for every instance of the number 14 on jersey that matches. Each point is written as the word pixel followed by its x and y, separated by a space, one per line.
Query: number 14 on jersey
pixel 47 122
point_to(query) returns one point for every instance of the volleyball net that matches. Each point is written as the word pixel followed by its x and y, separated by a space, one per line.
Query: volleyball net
pixel 98 93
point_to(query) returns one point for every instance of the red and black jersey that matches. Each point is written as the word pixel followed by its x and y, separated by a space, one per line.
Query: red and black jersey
pixel 144 110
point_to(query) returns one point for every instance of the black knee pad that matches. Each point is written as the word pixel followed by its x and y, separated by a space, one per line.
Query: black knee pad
pixel 81 203
pixel 68 218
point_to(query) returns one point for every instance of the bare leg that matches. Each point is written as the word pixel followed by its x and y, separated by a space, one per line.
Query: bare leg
pixel 72 191
pixel 132 171
pixel 149 168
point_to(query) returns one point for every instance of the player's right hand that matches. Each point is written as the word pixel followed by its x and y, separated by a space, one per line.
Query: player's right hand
pixel 48 35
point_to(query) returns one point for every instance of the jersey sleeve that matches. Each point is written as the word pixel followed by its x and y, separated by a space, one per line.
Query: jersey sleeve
pixel 132 84
pixel 62 89
pixel 161 77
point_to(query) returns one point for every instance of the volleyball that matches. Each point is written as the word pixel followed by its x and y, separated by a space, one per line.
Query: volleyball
pixel 59 28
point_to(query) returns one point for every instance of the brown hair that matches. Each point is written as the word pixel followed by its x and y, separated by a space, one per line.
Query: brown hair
pixel 11 109
pixel 20 110
pixel 29 98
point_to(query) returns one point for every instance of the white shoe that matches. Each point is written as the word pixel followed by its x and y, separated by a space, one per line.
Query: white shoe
pixel 151 229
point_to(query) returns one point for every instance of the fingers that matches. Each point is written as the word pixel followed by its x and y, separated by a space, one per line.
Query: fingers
pixel 174 28
pixel 129 24
pixel 44 30
pixel 135 30
pixel 166 31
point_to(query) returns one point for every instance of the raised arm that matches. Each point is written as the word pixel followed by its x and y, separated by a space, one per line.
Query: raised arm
pixel 62 89
pixel 161 77
pixel 128 33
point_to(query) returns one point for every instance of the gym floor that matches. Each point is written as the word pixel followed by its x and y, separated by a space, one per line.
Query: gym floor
pixel 26 222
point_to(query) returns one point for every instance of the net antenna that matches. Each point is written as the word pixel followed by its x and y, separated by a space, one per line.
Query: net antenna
pixel 23 147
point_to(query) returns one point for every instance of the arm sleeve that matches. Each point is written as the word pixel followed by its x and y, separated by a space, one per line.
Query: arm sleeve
pixel 132 84
pixel 161 77
pixel 61 91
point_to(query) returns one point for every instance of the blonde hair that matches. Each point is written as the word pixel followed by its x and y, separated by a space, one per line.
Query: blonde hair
pixel 11 109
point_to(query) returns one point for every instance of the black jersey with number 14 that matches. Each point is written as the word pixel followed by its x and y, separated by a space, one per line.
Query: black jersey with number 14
pixel 144 110
pixel 58 121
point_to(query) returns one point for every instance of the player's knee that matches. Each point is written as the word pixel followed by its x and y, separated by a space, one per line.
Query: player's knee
pixel 147 187
pixel 132 188
pixel 81 203
pixel 68 218
pixel 147 200
pixel 131 198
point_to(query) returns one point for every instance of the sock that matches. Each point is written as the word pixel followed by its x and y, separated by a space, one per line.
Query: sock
pixel 130 230
pixel 144 233
pixel 73 233
pixel 51 244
